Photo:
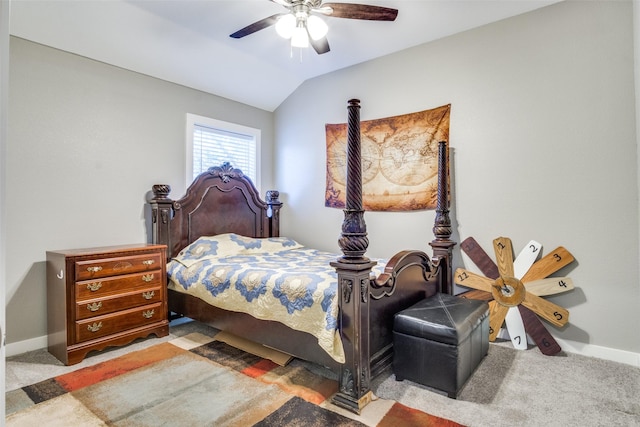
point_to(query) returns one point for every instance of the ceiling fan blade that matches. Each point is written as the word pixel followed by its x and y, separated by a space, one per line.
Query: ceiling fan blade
pixel 325 10
pixel 538 332
pixel 549 264
pixel 480 258
pixel 320 46
pixel 504 256
pixel 526 258
pixel 546 309
pixel 358 11
pixel 497 313
pixel 471 280
pixel 515 327
pixel 549 286
pixel 257 26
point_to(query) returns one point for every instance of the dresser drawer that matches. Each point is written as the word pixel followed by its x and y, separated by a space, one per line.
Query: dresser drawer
pixel 100 326
pixel 97 268
pixel 118 302
pixel 91 289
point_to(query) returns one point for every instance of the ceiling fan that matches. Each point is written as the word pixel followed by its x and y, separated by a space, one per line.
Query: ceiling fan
pixel 304 28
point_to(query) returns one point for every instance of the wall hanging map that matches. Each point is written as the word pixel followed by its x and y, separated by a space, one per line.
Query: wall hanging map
pixel 399 161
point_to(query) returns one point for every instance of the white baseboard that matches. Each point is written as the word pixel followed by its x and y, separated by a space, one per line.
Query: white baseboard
pixel 25 346
pixel 590 350
pixel 615 355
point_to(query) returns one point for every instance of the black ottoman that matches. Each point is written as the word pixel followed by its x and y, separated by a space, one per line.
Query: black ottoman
pixel 439 341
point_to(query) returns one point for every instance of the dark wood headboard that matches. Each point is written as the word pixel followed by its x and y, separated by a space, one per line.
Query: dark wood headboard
pixel 220 200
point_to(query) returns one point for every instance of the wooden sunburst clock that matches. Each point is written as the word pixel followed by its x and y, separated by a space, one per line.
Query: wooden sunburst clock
pixel 514 289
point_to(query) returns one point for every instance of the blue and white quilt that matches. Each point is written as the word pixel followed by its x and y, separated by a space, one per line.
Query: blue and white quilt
pixel 271 279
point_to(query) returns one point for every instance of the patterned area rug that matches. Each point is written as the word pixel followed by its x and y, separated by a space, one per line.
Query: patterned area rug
pixel 195 381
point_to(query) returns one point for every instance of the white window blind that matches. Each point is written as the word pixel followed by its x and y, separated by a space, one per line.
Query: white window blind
pixel 214 142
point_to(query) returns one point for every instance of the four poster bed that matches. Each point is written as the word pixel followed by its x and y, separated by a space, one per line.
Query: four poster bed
pixel 222 236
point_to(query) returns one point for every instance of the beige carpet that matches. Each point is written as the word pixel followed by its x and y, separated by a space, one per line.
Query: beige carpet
pixel 526 388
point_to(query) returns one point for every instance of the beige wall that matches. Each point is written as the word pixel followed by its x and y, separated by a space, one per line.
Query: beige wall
pixel 86 143
pixel 543 147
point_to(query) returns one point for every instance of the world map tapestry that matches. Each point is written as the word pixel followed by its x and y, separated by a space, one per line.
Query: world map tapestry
pixel 399 161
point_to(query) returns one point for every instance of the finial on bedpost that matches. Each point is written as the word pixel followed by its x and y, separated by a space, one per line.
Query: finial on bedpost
pixel 443 245
pixel 160 191
pixel 353 282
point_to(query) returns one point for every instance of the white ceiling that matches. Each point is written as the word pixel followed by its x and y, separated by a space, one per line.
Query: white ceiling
pixel 187 41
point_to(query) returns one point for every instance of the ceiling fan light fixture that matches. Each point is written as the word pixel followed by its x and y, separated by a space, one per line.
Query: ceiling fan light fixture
pixel 317 27
pixel 285 26
pixel 300 37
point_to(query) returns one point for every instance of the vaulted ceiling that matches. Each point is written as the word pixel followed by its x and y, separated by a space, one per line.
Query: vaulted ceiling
pixel 187 41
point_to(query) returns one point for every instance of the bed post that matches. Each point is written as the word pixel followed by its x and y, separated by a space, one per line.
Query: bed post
pixel 273 212
pixel 353 270
pixel 161 209
pixel 443 245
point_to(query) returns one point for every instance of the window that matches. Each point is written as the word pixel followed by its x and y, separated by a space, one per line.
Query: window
pixel 212 142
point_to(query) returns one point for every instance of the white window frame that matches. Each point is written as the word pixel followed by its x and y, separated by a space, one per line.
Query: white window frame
pixel 194 119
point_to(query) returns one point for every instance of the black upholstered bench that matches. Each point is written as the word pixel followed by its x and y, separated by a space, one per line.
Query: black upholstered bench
pixel 439 341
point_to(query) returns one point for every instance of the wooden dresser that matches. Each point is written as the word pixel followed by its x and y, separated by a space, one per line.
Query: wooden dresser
pixel 101 297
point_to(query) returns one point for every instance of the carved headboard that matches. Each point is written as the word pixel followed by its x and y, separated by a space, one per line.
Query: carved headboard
pixel 220 200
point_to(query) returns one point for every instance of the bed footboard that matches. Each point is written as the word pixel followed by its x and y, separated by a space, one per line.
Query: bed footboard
pixel 409 276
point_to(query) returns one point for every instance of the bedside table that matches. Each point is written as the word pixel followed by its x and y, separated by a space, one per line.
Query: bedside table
pixel 101 297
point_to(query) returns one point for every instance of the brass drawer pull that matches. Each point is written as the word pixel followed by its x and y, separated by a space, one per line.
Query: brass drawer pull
pixel 94 269
pixel 94 306
pixel 148 314
pixel 148 295
pixel 94 286
pixel 147 277
pixel 95 327
pixel 148 262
